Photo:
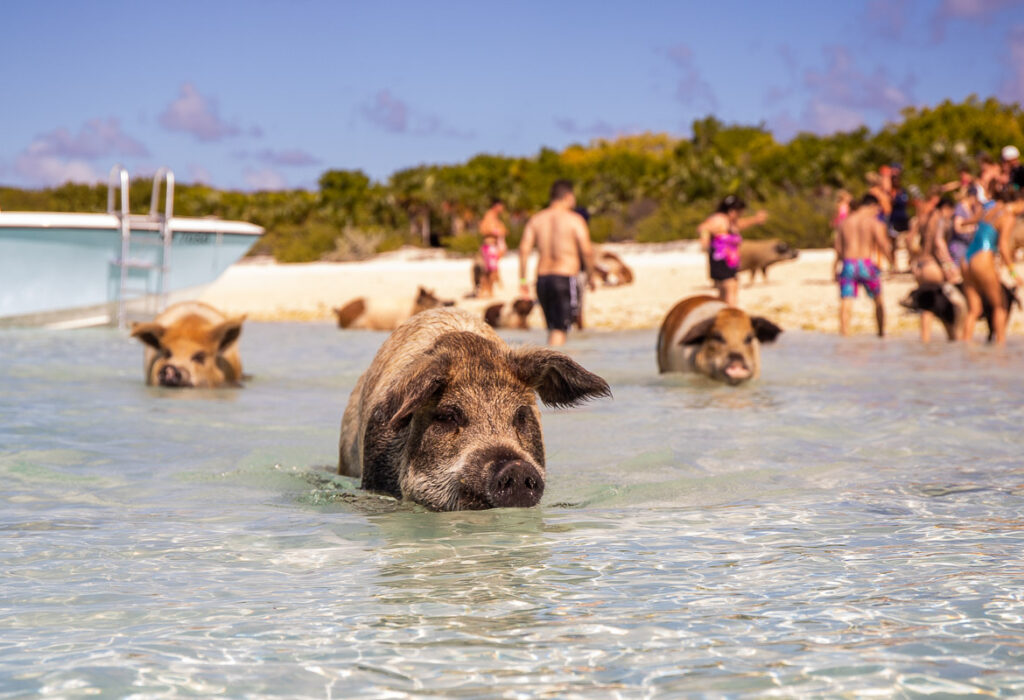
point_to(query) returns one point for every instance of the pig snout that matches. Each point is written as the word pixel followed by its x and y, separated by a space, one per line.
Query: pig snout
pixel 171 376
pixel 513 483
pixel 736 369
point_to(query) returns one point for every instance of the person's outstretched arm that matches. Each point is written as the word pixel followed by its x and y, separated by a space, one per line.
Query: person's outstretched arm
pixel 586 251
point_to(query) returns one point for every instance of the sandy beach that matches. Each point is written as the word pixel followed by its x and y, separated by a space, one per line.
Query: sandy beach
pixel 800 294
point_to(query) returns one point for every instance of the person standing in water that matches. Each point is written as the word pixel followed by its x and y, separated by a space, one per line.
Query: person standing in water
pixel 934 264
pixel 720 235
pixel 991 239
pixel 562 239
pixel 859 238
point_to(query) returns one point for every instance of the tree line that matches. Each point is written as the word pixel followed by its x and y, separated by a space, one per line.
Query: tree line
pixel 645 187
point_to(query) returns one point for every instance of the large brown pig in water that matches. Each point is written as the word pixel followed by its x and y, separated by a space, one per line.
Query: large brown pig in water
pixel 702 334
pixel 446 415
pixel 758 255
pixel 191 345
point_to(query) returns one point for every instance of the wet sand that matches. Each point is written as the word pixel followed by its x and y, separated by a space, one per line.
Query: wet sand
pixel 798 294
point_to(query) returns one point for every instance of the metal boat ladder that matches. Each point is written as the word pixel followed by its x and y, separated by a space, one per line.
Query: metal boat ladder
pixel 119 180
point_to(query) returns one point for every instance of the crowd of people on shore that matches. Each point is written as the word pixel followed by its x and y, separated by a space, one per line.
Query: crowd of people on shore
pixel 958 238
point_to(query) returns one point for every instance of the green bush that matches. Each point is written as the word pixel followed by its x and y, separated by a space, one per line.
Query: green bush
pixel 671 222
pixel 464 244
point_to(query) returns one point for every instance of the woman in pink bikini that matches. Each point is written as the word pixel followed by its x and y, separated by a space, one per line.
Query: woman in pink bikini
pixel 720 236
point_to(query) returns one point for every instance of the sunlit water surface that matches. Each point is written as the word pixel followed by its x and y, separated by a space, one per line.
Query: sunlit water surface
pixel 850 524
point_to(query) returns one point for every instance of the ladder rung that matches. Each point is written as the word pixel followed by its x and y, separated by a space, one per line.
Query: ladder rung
pixel 137 264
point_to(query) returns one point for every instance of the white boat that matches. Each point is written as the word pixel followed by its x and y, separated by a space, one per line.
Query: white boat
pixel 72 270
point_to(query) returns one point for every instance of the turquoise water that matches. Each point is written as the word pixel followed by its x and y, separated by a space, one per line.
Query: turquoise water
pixel 849 525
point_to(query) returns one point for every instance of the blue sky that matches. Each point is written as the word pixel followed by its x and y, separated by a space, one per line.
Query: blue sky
pixel 266 95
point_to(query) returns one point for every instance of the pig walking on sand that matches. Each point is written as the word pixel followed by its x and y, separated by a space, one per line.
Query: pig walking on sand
pixel 191 344
pixel 446 415
pixel 757 256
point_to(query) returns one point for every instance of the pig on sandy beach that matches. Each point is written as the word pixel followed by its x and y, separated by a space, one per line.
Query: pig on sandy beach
pixel 191 344
pixel 373 315
pixel 757 256
pixel 611 269
pixel 511 314
pixel 446 414
pixel 703 334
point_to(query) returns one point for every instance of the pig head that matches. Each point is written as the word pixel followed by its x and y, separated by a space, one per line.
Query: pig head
pixel 728 345
pixel 459 427
pixel 191 351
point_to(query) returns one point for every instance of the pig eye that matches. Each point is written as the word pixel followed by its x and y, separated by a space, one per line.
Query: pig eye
pixel 523 418
pixel 749 339
pixel 199 358
pixel 449 417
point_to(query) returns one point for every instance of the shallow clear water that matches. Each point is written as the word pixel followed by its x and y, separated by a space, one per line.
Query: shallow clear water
pixel 850 524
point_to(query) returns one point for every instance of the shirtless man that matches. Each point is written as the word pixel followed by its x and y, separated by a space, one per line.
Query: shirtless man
pixel 562 239
pixel 858 239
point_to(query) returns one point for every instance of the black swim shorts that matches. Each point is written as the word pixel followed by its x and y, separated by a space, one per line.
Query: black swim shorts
pixel 559 299
pixel 721 270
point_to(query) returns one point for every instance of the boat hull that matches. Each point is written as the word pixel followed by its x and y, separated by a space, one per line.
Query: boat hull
pixel 53 269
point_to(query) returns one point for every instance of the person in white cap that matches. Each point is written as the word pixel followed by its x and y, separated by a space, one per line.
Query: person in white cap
pixel 1013 171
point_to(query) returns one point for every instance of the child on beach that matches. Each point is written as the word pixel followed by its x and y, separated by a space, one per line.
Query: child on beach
pixel 843 201
pixel 490 254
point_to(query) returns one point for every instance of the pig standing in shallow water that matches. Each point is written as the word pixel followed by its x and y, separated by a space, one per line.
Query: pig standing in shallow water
pixel 703 334
pixel 191 345
pixel 446 415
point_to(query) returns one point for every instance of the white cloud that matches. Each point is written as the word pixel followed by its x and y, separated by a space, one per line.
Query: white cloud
pixel 596 129
pixel 42 169
pixel 394 115
pixel 387 112
pixel 1013 87
pixel 197 115
pixel 264 179
pixel 842 97
pixel 966 10
pixel 97 138
pixel 198 174
pixel 691 89
pixel 289 157
pixel 824 118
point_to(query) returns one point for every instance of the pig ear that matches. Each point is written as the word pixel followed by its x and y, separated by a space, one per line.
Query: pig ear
pixel 765 330
pixel 225 334
pixel 149 333
pixel 557 379
pixel 697 334
pixel 426 380
pixel 523 306
pixel 492 314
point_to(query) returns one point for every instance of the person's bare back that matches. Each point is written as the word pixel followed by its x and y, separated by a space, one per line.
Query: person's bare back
pixel 561 237
pixel 861 235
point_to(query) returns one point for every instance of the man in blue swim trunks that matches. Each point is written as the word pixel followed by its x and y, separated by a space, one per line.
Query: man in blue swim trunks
pixel 858 239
